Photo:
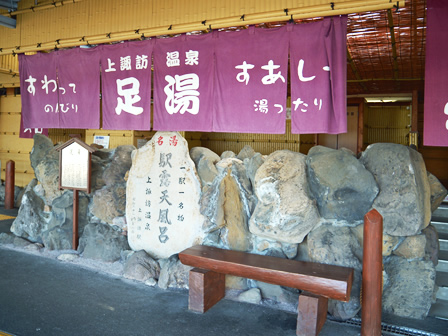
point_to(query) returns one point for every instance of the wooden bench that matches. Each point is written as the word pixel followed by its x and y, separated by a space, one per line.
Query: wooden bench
pixel 318 281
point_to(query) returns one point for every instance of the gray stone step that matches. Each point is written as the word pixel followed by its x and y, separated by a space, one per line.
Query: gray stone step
pixel 442 282
pixel 439 309
pixel 441 211
pixel 443 255
pixel 441 227
pixel 443 244
pixel 442 266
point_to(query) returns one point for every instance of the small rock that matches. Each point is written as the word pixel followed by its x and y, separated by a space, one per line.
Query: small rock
pixel 20 242
pixel 412 247
pixel 34 247
pixel 246 153
pixel 141 267
pixel 68 257
pixel 151 282
pixel 278 293
pixel 438 191
pixel 432 244
pixel 228 154
pixel 173 273
pixel 6 238
pixel 252 295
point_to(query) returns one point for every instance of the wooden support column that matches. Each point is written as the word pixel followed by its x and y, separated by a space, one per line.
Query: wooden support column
pixel 9 184
pixel 312 314
pixel 75 219
pixel 360 143
pixel 372 274
pixel 206 289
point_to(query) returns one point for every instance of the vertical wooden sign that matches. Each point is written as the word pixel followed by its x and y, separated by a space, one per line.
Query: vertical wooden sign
pixel 74 173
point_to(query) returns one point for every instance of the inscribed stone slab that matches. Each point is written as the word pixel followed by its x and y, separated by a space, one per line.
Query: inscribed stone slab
pixel 162 197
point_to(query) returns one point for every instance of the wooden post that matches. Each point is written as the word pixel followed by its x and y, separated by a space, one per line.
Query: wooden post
pixel 9 184
pixel 312 314
pixel 372 274
pixel 75 219
pixel 206 289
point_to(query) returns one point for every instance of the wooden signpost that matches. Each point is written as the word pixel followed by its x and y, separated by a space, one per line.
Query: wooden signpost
pixel 74 173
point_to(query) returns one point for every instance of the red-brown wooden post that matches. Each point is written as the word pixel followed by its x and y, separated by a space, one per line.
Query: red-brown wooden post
pixel 372 274
pixel 75 219
pixel 9 184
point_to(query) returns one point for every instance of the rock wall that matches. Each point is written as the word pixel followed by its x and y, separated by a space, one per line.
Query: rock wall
pixel 286 205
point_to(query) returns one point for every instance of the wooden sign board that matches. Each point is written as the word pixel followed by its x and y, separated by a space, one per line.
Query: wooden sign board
pixel 75 165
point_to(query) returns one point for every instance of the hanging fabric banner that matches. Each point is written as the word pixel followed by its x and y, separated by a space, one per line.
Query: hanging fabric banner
pixel 251 73
pixel 39 90
pixel 183 83
pixel 28 133
pixel 318 56
pixel 435 123
pixel 79 88
pixel 126 85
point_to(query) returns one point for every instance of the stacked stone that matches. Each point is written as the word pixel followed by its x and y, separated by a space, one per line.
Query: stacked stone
pixel 289 205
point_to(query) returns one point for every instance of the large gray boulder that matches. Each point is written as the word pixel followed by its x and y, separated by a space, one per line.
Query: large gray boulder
pixel 110 200
pixel 285 211
pixel 227 205
pixel 102 242
pixel 31 220
pixel 341 185
pixel 197 152
pixel 404 197
pixel 337 245
pixel 409 290
pixel 45 162
pixel 59 232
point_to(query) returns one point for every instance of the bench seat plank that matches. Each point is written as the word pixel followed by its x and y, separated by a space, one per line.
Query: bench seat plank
pixel 329 281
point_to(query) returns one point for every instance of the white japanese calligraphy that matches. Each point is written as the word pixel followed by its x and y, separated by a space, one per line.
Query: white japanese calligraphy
pixel 271 78
pixel 172 59
pixel 125 63
pixel 182 94
pixel 192 57
pixel 446 113
pixel 141 62
pixel 31 88
pixel 244 75
pixel 300 72
pixel 261 105
pixel 47 82
pixel 110 65
pixel 130 96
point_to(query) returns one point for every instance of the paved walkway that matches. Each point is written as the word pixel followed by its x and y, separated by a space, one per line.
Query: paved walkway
pixel 44 296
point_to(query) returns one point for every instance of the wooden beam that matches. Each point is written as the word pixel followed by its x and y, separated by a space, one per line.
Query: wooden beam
pixel 390 21
pixel 414 120
pixel 337 7
pixel 355 71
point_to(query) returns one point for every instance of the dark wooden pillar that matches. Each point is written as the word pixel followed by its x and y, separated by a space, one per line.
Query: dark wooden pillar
pixel 75 219
pixel 372 274
pixel 9 184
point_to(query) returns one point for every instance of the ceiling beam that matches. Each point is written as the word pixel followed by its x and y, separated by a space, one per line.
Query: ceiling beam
pixel 355 71
pixel 337 7
pixel 390 20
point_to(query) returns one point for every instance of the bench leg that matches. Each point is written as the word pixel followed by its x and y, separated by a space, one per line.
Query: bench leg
pixel 312 313
pixel 206 289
